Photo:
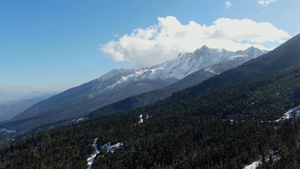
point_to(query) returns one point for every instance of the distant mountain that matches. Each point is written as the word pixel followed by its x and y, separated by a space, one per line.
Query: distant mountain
pixel 7 98
pixel 13 108
pixel 122 83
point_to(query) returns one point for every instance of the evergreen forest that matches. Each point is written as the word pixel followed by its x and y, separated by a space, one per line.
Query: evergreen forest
pixel 228 127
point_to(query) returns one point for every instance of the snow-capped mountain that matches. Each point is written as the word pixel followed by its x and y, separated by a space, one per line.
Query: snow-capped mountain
pixel 119 84
pixel 235 59
pixel 176 69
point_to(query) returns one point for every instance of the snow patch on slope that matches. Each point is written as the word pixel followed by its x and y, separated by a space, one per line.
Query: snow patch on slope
pixel 112 148
pixel 237 56
pixel 208 69
pixel 141 118
pixel 91 159
pixel 289 114
pixel 108 147
pixel 255 164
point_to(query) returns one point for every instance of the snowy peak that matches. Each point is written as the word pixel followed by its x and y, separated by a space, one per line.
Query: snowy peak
pixel 173 70
pixel 204 49
pixel 252 51
pixel 115 73
pixel 120 77
pixel 203 57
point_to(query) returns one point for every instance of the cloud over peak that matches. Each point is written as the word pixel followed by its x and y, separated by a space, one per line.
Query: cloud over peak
pixel 165 40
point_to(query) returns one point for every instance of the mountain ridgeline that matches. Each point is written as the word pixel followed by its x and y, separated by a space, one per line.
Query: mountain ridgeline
pixel 229 125
pixel 119 84
pixel 10 109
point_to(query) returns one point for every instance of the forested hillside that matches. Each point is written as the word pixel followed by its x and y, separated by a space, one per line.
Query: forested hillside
pixel 229 127
pixel 137 84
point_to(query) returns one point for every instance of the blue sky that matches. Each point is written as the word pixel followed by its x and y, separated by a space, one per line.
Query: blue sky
pixel 55 45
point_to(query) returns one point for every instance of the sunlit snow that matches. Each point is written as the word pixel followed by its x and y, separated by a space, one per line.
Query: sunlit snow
pixel 108 147
pixel 255 164
pixel 142 120
pixel 91 159
pixel 289 114
pixel 112 148
pixel 79 120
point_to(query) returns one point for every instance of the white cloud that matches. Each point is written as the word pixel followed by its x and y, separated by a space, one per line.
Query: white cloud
pixel 265 2
pixel 164 41
pixel 32 86
pixel 227 4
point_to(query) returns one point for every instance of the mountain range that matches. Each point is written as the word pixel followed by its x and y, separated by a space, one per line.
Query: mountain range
pixel 170 76
pixel 7 97
pixel 227 121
